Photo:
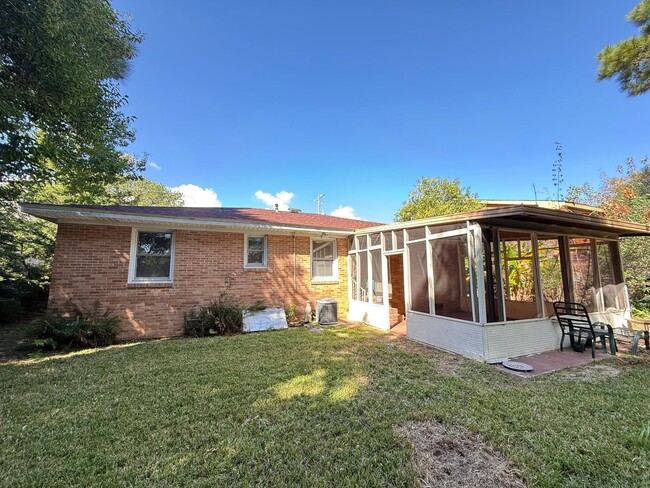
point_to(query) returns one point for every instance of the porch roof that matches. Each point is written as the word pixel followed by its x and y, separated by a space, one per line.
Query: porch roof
pixel 528 217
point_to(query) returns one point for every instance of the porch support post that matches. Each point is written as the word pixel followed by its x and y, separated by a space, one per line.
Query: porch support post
pixel 537 273
pixel 565 266
pixel 501 303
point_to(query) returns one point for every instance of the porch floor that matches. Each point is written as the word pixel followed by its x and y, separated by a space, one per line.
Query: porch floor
pixel 550 361
pixel 399 329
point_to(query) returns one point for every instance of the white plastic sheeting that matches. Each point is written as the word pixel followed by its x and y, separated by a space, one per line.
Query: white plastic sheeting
pixel 267 319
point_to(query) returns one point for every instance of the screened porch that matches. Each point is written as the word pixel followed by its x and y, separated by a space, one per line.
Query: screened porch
pixel 483 284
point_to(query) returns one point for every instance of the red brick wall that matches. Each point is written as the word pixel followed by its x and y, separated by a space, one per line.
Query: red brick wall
pixel 92 263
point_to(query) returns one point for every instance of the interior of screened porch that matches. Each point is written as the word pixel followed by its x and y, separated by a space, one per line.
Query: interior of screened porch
pixel 482 284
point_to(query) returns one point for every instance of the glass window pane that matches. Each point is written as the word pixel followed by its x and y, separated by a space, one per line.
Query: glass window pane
pixel 377 290
pixel 451 280
pixel 419 281
pixel 321 269
pixel 256 243
pixel 152 267
pixel 363 276
pixel 323 250
pixel 550 269
pixel 154 243
pixel 583 272
pixel 375 239
pixel 255 257
pixel 352 243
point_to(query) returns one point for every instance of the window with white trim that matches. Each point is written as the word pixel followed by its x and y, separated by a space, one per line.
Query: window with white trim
pixel 323 260
pixel 152 256
pixel 255 252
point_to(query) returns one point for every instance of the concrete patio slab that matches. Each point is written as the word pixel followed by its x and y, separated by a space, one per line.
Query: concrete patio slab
pixel 548 362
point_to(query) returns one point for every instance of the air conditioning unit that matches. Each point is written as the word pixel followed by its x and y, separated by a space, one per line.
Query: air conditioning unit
pixel 326 311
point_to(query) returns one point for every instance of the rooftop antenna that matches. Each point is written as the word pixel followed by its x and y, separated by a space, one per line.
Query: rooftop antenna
pixel 318 200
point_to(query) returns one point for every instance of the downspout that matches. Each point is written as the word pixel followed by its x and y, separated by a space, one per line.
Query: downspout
pixel 294 260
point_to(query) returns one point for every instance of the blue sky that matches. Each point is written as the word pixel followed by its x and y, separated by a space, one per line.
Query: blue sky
pixel 358 99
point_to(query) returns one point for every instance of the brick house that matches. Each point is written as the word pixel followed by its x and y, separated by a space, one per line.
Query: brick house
pixel 480 284
pixel 152 264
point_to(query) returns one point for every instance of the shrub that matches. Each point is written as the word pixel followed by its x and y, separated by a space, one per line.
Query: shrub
pixel 10 310
pixel 85 327
pixel 290 313
pixel 222 316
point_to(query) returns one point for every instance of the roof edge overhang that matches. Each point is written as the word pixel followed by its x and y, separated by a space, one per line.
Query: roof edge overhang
pixel 523 213
pixel 69 215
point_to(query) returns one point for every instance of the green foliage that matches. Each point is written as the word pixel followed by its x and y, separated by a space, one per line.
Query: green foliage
pixel 626 196
pixel 10 310
pixel 91 326
pixel 290 312
pixel 433 197
pixel 61 62
pixel 222 316
pixel 629 60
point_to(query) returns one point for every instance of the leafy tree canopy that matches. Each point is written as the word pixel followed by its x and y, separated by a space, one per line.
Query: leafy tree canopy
pixel 61 62
pixel 626 196
pixel 432 197
pixel 629 60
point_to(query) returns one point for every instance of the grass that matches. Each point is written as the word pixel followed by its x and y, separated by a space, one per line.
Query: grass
pixel 297 408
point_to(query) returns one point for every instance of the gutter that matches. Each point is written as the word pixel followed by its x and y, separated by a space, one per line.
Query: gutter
pixel 58 215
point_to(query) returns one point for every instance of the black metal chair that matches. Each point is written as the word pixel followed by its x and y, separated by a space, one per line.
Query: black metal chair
pixel 575 323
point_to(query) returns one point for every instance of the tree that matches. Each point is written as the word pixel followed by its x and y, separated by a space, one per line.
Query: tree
pixel 432 197
pixel 61 62
pixel 629 60
pixel 626 197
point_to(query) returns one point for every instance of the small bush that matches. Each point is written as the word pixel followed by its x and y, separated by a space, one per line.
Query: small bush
pixel 10 311
pixel 85 327
pixel 290 311
pixel 222 316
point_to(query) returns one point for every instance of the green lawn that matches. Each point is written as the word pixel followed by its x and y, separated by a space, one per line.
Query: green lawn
pixel 299 408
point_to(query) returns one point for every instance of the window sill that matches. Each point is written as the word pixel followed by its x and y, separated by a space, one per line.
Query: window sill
pixel 256 268
pixel 150 284
pixel 325 282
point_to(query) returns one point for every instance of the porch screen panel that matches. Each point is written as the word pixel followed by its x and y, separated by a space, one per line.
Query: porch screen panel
pixel 611 291
pixel 363 276
pixel 376 276
pixel 354 276
pixel 451 280
pixel 550 269
pixel 582 270
pixel 418 278
pixel 518 276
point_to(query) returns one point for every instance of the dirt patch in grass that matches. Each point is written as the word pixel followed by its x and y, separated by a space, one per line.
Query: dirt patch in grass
pixel 449 456
pixel 591 373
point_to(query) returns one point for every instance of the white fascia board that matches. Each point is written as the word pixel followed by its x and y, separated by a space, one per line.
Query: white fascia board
pixel 124 220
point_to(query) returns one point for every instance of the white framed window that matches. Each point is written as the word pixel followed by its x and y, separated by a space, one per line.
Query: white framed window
pixel 152 256
pixel 324 262
pixel 255 254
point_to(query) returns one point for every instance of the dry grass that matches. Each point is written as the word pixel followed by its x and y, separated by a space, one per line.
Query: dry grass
pixel 590 374
pixel 452 457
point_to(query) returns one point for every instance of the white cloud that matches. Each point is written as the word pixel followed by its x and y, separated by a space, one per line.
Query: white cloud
pixel 153 165
pixel 282 199
pixel 195 196
pixel 346 212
